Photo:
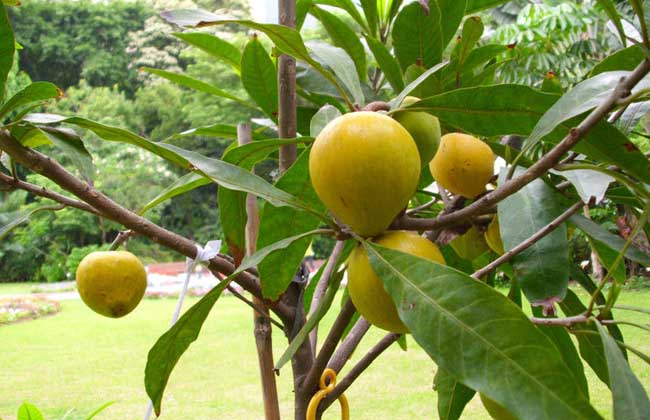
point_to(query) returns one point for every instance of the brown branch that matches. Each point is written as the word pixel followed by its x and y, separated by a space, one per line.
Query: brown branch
pixel 51 169
pixel 45 193
pixel 321 288
pixel 554 224
pixel 421 207
pixel 358 369
pixel 329 345
pixel 622 90
pixel 562 322
pixel 376 106
pixel 287 105
pixel 350 343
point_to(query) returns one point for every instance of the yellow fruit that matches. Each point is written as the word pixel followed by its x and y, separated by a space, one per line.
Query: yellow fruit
pixel 111 283
pixel 367 290
pixel 470 245
pixel 493 237
pixel 423 127
pixel 365 167
pixel 496 410
pixel 463 164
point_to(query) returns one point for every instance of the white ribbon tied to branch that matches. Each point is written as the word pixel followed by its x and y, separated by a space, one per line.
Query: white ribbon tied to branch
pixel 202 255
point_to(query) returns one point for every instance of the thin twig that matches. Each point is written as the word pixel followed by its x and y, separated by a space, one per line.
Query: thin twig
pixel 421 207
pixel 548 161
pixel 530 241
pixel 350 343
pixel 564 322
pixel 255 307
pixel 321 288
pixel 121 237
pixel 358 369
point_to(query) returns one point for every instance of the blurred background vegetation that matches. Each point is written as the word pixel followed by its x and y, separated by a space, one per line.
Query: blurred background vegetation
pixel 92 50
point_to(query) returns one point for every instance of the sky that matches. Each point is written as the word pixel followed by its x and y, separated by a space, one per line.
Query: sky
pixel 264 10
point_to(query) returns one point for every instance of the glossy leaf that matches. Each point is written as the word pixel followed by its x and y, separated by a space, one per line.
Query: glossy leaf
pixel 614 242
pixel 342 66
pixel 323 117
pixel 196 84
pixel 278 270
pixel 588 183
pixel 480 337
pixel 453 396
pixel 29 411
pixel 514 109
pixel 451 12
pixel 259 77
pixel 417 37
pixel 16 219
pixel 630 399
pixel 214 46
pixel 474 6
pixel 542 270
pixel 343 37
pixel 34 92
pixel 182 185
pixel 386 63
pixel 625 59
pixel 7 49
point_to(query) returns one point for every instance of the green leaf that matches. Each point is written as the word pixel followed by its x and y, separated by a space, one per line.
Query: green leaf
pixel 100 409
pixel 453 396
pixel 630 399
pixel 474 6
pixel 625 59
pixel 607 258
pixel 34 92
pixel 11 2
pixel 349 7
pixel 342 66
pixel 472 31
pixel 259 77
pixel 417 37
pixel 29 411
pixel 615 242
pixel 196 84
pixel 515 109
pixel 588 183
pixel 20 218
pixel 372 16
pixel 480 337
pixel 387 63
pixel 7 49
pixel 182 185
pixel 225 131
pixel 451 12
pixel 542 270
pixel 323 117
pixel 73 147
pixel 302 9
pixel 420 80
pixel 609 8
pixel 214 46
pixel 343 37
pixel 278 270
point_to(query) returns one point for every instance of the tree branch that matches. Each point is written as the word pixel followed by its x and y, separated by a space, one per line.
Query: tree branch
pixel 563 322
pixel 350 343
pixel 622 90
pixel 530 241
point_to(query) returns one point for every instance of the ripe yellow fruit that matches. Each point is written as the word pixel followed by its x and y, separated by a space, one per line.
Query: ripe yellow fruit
pixel 111 283
pixel 470 245
pixel 423 127
pixel 365 167
pixel 367 290
pixel 496 410
pixel 493 237
pixel 463 164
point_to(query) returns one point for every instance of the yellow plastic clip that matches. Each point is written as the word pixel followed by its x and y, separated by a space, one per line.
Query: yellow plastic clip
pixel 325 388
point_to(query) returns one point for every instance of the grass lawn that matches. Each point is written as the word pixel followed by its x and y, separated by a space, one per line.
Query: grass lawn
pixel 77 359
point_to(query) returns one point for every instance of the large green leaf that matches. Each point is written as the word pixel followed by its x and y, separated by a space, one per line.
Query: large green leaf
pixel 630 399
pixel 615 242
pixel 278 270
pixel 372 16
pixel 348 6
pixel 342 66
pixel 7 49
pixel 625 59
pixel 259 77
pixel 343 37
pixel 480 337
pixel 542 270
pixel 197 85
pixel 214 46
pixel 474 6
pixel 472 31
pixel 515 109
pixel 182 185
pixel 34 92
pixel 453 396
pixel 451 12
pixel 386 63
pixel 225 131
pixel 417 37
pixel 164 355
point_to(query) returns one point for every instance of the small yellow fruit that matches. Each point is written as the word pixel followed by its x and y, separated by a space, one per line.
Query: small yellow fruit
pixel 496 410
pixel 367 290
pixel 493 237
pixel 423 127
pixel 111 283
pixel 470 245
pixel 463 164
pixel 365 167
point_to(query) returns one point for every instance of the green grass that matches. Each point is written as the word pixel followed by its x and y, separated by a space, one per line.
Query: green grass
pixel 77 359
pixel 16 288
